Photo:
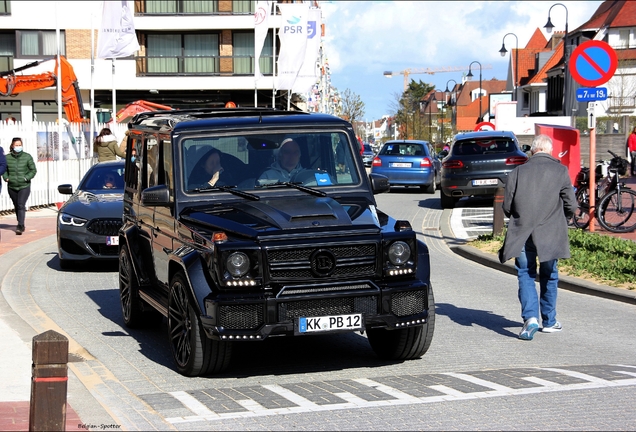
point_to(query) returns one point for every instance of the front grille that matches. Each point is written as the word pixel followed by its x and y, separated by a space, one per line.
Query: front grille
pixel 356 260
pixel 408 303
pixel 241 317
pixel 336 306
pixel 104 250
pixel 290 291
pixel 107 227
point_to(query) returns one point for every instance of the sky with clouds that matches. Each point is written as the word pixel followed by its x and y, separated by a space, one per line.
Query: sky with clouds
pixel 363 39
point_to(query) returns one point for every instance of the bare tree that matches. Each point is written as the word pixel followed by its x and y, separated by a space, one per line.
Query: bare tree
pixel 352 106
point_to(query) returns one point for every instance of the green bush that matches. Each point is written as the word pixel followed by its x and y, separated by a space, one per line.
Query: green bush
pixel 605 257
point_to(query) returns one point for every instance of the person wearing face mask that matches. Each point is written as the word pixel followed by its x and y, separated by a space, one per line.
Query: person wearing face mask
pixel 20 170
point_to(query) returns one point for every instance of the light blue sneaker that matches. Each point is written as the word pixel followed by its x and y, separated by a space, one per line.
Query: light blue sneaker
pixel 530 327
pixel 557 327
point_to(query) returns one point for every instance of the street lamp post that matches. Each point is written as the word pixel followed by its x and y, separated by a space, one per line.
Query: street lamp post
pixel 470 75
pixel 430 116
pixel 446 91
pixel 548 27
pixel 503 52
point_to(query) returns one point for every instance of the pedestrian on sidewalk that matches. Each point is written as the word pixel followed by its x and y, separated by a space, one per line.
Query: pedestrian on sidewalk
pixel 106 146
pixel 20 170
pixel 538 200
pixel 631 145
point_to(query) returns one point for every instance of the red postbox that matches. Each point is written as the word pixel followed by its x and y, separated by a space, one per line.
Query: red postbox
pixel 566 146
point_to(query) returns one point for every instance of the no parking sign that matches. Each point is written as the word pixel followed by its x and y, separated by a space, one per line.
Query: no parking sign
pixel 593 63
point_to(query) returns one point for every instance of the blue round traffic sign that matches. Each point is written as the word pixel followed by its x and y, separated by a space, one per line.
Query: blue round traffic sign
pixel 593 63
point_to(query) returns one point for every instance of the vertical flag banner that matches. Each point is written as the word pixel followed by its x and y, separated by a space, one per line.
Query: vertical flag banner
pixel 293 42
pixel 117 36
pixel 261 26
pixel 308 74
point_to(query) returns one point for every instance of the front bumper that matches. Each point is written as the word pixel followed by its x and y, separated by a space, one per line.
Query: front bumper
pixel 391 307
pixel 78 244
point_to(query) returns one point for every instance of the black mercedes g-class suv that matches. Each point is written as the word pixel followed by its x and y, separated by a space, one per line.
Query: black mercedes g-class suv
pixel 240 224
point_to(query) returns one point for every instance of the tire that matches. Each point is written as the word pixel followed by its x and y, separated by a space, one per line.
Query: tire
pixel 581 218
pixel 129 291
pixel 404 344
pixel 447 201
pixel 616 211
pixel 193 352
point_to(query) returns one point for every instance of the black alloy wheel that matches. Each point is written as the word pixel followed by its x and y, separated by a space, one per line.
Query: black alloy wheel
pixel 193 353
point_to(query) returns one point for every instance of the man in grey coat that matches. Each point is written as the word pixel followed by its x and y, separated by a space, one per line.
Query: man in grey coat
pixel 538 200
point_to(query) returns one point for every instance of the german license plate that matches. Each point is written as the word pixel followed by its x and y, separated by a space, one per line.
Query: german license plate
pixel 400 165
pixel 112 241
pixel 485 182
pixel 330 323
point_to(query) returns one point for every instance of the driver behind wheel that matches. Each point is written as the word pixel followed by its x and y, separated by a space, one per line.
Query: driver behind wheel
pixel 286 166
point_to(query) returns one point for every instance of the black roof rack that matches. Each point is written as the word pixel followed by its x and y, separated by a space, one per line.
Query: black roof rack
pixel 205 113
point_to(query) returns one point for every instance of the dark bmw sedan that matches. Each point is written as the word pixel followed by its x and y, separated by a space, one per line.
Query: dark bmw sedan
pixel 478 163
pixel 88 223
pixel 408 163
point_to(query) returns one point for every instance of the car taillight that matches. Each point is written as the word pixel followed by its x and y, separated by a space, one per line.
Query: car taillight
pixel 425 163
pixel 516 160
pixel 453 164
pixel 377 161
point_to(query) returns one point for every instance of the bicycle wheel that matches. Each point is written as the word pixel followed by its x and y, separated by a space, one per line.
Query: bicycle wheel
pixel 616 211
pixel 581 218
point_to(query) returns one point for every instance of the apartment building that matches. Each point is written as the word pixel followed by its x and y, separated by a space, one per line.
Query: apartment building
pixel 193 53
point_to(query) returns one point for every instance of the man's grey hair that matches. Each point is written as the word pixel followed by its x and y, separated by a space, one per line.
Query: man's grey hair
pixel 541 143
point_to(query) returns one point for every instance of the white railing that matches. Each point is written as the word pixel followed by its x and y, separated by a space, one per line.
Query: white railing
pixel 54 167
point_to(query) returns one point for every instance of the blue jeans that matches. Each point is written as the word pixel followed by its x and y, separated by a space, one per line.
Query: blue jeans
pixel 526 265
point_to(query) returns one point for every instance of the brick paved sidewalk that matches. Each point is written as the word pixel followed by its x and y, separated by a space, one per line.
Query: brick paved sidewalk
pixel 40 223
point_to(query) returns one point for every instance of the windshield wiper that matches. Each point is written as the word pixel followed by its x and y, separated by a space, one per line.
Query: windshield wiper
pixel 230 189
pixel 298 186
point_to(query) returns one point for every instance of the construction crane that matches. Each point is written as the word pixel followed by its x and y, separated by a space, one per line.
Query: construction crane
pixel 430 71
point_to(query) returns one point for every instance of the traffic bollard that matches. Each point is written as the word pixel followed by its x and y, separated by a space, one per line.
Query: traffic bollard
pixel 49 379
pixel 497 213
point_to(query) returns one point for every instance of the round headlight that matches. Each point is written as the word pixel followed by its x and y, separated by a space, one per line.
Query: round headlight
pixel 237 264
pixel 399 253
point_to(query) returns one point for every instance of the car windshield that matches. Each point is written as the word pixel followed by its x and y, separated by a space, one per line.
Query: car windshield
pixel 106 178
pixel 403 149
pixel 483 146
pixel 253 161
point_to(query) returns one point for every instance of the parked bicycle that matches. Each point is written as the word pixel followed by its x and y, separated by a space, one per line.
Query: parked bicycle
pixel 615 202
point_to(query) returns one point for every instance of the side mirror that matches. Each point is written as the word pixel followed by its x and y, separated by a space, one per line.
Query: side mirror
pixel 443 154
pixel 379 183
pixel 65 189
pixel 525 148
pixel 156 196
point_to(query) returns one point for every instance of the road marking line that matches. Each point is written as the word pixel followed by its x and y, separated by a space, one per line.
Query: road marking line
pixel 397 394
pixel 251 405
pixel 541 382
pixel 290 396
pixel 626 373
pixel 353 399
pixel 193 404
pixel 480 382
pixel 582 376
pixel 448 391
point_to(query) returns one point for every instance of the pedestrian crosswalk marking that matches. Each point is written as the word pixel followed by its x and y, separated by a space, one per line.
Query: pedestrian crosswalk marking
pixel 446 394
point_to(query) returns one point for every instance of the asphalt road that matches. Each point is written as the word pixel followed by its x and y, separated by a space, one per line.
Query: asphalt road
pixel 476 375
